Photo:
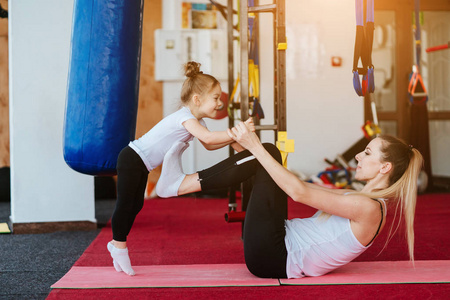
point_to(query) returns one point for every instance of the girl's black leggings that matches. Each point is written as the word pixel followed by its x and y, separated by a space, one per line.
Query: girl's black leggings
pixel 264 248
pixel 132 175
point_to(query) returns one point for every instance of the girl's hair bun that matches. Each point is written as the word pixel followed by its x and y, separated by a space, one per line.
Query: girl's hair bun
pixel 192 68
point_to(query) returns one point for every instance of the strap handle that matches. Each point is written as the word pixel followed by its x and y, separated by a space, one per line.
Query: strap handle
pixel 363 48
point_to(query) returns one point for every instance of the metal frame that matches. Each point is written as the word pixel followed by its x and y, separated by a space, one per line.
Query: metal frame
pixel 279 31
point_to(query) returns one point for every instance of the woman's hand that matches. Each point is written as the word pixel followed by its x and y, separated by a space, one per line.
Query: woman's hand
pixel 244 136
pixel 250 124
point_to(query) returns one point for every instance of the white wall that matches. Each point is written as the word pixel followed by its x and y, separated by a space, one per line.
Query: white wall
pixel 324 113
pixel 43 187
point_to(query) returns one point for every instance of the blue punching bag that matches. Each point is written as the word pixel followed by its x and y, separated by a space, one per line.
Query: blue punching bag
pixel 103 83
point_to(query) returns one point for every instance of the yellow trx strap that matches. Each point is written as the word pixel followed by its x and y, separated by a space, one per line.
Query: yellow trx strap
pixel 285 146
pixel 253 79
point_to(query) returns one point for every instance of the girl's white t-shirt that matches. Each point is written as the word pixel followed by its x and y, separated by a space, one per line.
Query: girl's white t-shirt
pixel 153 145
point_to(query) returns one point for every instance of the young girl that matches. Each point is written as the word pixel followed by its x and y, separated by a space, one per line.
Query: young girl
pixel 347 222
pixel 200 96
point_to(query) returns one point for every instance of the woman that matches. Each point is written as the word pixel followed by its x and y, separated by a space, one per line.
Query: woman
pixel 347 221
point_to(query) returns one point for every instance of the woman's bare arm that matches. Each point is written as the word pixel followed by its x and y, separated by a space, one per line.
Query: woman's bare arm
pixel 351 207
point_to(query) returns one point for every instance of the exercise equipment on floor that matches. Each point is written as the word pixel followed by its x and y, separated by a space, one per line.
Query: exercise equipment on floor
pixel 363 48
pixel 340 173
pixel 103 83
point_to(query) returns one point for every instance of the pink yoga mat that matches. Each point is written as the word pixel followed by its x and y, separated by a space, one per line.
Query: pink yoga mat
pixel 162 276
pixel 381 272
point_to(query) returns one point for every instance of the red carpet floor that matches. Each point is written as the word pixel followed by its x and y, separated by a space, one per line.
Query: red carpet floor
pixel 193 231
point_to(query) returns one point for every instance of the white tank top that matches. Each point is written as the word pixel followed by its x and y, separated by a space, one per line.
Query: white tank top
pixel 317 246
pixel 153 145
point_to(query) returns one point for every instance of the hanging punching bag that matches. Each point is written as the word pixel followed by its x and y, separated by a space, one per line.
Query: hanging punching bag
pixel 103 83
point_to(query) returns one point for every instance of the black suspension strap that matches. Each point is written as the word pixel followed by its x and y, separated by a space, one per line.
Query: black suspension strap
pixel 363 48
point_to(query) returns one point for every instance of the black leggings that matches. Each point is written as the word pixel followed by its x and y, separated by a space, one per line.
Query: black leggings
pixel 132 175
pixel 264 248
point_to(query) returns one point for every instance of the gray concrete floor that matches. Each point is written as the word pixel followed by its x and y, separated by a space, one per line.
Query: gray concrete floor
pixel 31 263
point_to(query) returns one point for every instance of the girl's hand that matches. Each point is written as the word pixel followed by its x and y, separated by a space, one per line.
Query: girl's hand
pixel 250 125
pixel 237 147
pixel 246 138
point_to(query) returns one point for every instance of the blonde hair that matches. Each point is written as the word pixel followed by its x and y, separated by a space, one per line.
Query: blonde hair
pixel 196 82
pixel 407 163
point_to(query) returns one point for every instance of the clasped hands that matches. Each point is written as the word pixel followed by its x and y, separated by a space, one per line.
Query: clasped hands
pixel 244 134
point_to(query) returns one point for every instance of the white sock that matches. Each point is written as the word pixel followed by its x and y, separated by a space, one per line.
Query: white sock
pixel 121 260
pixel 117 266
pixel 172 172
pixel 115 263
